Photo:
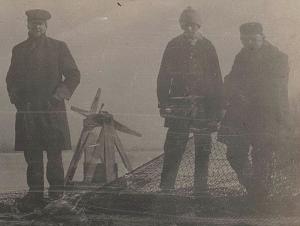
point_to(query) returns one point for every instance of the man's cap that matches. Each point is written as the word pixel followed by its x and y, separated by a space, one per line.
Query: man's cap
pixel 189 16
pixel 38 14
pixel 252 28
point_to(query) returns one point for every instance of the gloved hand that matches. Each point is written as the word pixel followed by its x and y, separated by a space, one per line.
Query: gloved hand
pixel 53 103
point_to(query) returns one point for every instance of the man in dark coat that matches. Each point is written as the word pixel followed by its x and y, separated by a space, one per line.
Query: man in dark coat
pixel 256 92
pixel 41 76
pixel 189 79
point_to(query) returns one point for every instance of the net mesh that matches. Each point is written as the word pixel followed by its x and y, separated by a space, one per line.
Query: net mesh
pixel 222 179
pixel 225 206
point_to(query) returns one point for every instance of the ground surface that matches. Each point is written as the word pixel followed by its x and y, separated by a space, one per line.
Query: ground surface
pixel 134 199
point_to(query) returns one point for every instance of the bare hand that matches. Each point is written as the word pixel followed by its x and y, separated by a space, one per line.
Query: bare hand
pixel 164 112
pixel 213 126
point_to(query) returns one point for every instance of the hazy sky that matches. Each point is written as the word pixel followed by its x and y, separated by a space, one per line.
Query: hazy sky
pixel 119 49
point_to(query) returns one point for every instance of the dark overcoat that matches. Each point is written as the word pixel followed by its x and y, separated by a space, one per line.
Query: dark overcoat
pixel 39 69
pixel 190 69
pixel 256 91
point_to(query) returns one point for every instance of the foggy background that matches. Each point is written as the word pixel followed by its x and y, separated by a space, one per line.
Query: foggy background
pixel 119 49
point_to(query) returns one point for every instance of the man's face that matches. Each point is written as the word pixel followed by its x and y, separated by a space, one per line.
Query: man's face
pixel 36 28
pixel 253 41
pixel 191 29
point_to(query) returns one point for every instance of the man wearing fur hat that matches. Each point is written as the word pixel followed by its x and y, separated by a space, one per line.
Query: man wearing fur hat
pixel 42 74
pixel 189 94
pixel 256 93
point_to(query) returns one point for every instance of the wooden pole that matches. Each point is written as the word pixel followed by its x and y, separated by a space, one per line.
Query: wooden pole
pixel 109 152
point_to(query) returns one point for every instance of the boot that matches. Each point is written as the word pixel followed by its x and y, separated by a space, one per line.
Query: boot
pixel 30 202
pixel 55 195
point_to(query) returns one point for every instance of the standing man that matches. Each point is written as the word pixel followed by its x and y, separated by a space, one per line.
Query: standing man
pixel 189 95
pixel 41 76
pixel 256 92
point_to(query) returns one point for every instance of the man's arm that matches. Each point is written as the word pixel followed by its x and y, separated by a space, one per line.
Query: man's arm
pixel 216 89
pixel 281 71
pixel 71 73
pixel 11 79
pixel 164 79
pixel 232 84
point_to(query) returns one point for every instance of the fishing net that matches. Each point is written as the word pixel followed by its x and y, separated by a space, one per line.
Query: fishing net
pixel 222 179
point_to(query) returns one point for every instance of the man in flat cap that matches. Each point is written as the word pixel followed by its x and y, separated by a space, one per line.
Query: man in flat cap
pixel 189 95
pixel 256 92
pixel 42 74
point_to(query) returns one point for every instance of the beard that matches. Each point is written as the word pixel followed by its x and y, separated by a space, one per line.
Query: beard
pixel 36 33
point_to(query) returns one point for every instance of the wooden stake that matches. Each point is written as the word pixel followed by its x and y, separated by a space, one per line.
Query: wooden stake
pixel 77 156
pixel 122 153
pixel 98 152
pixel 109 152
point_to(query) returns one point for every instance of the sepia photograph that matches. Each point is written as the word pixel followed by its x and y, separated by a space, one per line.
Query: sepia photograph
pixel 150 113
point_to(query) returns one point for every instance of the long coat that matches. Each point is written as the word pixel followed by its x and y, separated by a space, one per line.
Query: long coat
pixel 190 69
pixel 39 70
pixel 256 91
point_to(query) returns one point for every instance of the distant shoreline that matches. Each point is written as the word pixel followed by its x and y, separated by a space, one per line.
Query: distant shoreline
pixel 158 150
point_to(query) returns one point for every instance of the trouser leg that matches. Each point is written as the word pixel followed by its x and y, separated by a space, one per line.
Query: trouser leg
pixel 174 148
pixel 202 152
pixel 238 158
pixel 35 170
pixel 55 171
pixel 262 159
pixel 35 180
